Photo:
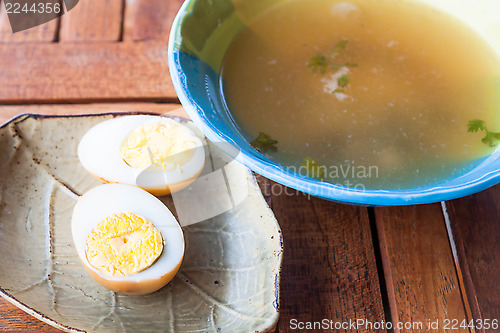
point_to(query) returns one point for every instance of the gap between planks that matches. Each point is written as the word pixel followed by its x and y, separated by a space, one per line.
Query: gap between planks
pixel 383 268
pixel 93 21
pixel 473 222
pixel 328 259
pixel 419 268
pixel 471 309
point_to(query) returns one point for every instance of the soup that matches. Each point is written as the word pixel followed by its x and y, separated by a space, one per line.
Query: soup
pixel 371 94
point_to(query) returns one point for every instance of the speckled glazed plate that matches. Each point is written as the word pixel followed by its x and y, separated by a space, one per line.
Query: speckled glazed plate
pixel 229 279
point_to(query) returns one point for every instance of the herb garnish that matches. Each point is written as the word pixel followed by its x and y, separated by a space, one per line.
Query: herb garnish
pixel 318 64
pixel 264 143
pixel 321 62
pixel 491 138
pixel 314 170
pixel 340 46
pixel 343 80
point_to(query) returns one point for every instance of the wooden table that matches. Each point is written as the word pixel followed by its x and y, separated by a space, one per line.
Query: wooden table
pixel 342 263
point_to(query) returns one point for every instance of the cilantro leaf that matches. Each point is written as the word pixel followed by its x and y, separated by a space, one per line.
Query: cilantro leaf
pixel 491 138
pixel 318 64
pixel 264 143
pixel 340 46
pixel 343 80
pixel 313 169
pixel 476 125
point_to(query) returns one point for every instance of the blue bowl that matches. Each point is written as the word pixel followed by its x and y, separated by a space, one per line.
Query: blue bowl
pixel 200 35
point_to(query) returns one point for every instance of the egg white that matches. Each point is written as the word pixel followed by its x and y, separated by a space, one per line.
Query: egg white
pixel 99 153
pixel 105 200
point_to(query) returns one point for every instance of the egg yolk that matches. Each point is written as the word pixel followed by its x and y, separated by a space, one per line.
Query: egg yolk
pixel 165 145
pixel 123 244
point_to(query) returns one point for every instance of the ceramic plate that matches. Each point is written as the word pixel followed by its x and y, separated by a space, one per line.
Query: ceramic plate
pixel 229 279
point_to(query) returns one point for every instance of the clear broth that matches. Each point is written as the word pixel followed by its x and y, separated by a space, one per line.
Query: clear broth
pixel 401 121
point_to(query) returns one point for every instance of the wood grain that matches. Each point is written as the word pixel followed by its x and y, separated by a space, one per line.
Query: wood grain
pixel 91 21
pixel 329 268
pixel 15 320
pixel 149 19
pixel 58 72
pixel 44 33
pixel 476 231
pixel 420 272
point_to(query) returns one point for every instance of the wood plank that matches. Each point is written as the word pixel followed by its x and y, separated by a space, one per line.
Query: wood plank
pixel 420 272
pixel 149 19
pixel 329 270
pixel 15 320
pixel 476 231
pixel 9 111
pixel 56 72
pixel 92 21
pixel 46 32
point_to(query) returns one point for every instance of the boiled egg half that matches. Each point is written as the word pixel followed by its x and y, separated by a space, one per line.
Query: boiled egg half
pixel 127 239
pixel 159 154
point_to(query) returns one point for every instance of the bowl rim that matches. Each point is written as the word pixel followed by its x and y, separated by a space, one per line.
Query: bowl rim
pixel 277 173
